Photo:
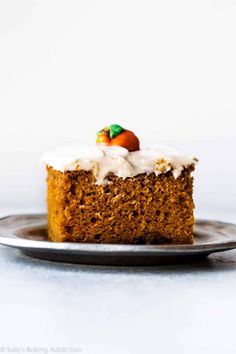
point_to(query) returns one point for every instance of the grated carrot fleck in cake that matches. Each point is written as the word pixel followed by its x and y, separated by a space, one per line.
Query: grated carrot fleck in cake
pixel 115 192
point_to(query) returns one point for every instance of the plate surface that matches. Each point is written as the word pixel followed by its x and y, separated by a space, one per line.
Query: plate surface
pixel 28 233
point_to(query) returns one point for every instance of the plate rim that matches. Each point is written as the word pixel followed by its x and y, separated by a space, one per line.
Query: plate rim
pixel 109 249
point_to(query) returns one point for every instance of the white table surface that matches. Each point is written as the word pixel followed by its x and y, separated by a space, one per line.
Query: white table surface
pixel 48 306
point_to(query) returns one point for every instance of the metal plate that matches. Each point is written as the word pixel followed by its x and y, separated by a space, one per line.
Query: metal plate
pixel 28 233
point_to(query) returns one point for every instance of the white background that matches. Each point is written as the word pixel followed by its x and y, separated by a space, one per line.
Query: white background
pixel 165 69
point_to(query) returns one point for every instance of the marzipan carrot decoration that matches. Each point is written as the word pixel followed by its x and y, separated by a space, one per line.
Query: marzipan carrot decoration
pixel 116 135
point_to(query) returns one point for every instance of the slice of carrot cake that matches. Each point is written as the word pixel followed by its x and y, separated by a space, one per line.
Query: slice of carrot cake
pixel 115 192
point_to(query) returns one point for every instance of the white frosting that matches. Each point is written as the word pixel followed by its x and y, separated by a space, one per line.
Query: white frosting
pixel 104 159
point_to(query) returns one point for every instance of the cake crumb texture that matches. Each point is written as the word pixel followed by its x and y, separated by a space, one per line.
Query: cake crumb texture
pixel 145 209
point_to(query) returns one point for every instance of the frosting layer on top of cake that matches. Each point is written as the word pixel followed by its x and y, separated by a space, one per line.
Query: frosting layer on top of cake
pixel 102 160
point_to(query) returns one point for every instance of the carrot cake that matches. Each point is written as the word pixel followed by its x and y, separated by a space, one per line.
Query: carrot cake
pixel 115 192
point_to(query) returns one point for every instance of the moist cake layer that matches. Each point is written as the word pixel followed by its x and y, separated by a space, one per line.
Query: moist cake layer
pixel 146 208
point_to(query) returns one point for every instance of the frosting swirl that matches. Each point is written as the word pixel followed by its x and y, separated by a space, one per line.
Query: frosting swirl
pixel 102 160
